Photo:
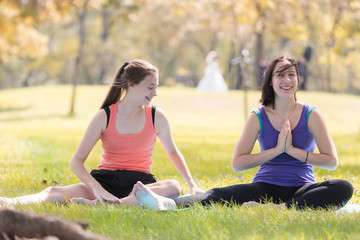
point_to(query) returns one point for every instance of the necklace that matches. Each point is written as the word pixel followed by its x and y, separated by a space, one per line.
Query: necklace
pixel 292 111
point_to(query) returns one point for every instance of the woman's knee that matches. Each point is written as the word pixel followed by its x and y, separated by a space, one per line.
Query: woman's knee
pixel 344 188
pixel 176 186
pixel 173 187
pixel 215 195
pixel 334 192
pixel 53 194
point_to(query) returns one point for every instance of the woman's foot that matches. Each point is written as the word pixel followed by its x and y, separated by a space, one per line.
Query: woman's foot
pixel 95 202
pixel 84 201
pixel 150 199
pixel 250 204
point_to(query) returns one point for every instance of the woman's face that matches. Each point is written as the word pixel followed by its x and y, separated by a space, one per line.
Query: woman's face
pixel 146 89
pixel 284 79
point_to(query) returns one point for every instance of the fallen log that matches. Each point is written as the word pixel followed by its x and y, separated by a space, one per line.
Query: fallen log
pixel 15 224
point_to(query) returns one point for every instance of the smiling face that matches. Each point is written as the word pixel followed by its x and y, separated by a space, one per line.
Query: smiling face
pixel 281 80
pixel 285 79
pixel 146 89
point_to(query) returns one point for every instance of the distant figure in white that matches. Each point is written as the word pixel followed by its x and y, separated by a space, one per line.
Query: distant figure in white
pixel 212 80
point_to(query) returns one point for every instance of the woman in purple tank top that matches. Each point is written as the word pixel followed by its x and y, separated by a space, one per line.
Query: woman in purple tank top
pixel 288 132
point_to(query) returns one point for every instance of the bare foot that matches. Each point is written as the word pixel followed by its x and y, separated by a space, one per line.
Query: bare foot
pixel 95 202
pixel 84 201
pixel 250 204
pixel 150 199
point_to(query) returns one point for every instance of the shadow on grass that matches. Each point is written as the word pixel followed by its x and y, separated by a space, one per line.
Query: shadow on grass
pixel 14 109
pixel 7 109
pixel 37 117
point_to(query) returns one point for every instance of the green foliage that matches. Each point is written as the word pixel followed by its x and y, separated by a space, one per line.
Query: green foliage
pixel 176 37
pixel 37 141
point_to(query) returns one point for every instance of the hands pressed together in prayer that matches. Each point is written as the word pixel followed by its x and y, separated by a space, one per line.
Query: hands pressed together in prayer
pixel 284 144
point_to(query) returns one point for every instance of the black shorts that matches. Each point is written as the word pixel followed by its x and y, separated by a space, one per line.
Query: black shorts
pixel 120 182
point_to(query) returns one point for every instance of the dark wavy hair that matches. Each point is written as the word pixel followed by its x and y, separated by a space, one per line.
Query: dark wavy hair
pixel 267 93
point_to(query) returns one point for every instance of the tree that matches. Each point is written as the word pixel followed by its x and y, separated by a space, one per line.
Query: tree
pixel 81 15
pixel 19 40
pixel 175 36
pixel 112 11
pixel 337 9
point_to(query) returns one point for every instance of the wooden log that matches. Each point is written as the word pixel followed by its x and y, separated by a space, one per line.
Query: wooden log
pixel 15 223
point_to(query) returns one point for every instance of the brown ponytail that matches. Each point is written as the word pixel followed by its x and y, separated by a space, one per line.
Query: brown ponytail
pixel 134 72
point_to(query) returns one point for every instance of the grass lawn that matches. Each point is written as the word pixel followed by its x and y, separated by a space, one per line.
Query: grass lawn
pixel 37 140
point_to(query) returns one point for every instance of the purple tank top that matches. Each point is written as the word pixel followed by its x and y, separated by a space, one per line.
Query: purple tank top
pixel 284 170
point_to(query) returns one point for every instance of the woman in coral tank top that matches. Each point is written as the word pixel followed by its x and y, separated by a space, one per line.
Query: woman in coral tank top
pixel 128 126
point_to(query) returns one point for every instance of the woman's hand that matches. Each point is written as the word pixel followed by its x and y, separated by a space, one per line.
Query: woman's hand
pixel 288 143
pixel 104 196
pixel 195 190
pixel 282 138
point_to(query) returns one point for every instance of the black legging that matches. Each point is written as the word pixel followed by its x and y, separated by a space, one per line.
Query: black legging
pixel 331 193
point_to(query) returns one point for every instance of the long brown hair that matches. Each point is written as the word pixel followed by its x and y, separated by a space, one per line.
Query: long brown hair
pixel 268 94
pixel 133 72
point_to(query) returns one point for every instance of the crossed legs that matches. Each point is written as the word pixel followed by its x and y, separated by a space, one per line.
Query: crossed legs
pixel 327 194
pixel 83 194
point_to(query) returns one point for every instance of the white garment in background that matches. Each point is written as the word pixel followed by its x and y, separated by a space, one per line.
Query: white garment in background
pixel 212 80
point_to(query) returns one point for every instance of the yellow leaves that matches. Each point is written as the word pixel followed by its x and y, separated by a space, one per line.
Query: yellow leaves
pixel 58 11
pixel 18 35
pixel 18 38
pixel 24 41
pixel 51 12
pixel 78 3
pixel 8 10
pixel 30 43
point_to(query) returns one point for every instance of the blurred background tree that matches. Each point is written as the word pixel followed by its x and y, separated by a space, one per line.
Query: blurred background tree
pixel 85 41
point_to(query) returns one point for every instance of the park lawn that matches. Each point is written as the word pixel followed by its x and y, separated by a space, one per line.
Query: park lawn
pixel 38 138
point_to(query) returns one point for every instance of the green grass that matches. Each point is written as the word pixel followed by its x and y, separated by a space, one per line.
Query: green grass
pixel 37 140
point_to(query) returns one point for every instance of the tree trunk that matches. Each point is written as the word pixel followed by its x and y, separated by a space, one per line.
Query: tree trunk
pixel 328 70
pixel 106 24
pixel 259 29
pixel 26 81
pixel 339 10
pixel 82 39
pixel 259 52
